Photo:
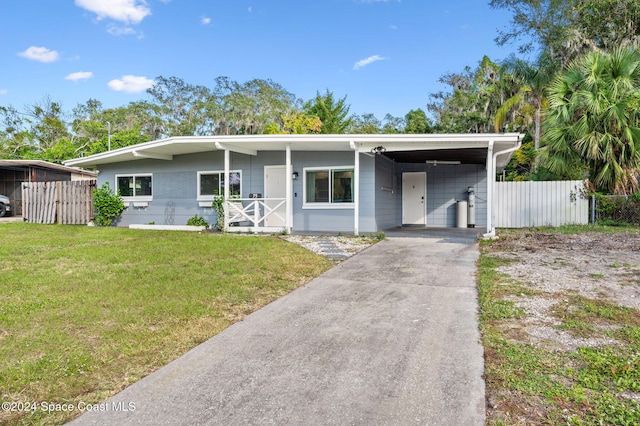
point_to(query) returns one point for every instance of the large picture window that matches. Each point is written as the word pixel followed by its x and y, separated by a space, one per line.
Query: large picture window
pixel 211 184
pixel 135 186
pixel 331 186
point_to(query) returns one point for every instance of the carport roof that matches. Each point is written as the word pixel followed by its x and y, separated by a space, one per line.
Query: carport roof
pixel 39 164
pixel 405 148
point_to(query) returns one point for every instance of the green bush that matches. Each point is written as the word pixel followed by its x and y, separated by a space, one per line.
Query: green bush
pixel 197 221
pixel 218 206
pixel 618 210
pixel 108 205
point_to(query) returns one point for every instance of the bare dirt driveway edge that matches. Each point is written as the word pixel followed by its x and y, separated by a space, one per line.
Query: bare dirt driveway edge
pixel 388 337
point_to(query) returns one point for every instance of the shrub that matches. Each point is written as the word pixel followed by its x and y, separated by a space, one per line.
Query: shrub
pixel 218 206
pixel 197 221
pixel 108 205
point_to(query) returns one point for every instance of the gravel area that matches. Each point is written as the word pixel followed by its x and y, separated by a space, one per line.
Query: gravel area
pixel 336 248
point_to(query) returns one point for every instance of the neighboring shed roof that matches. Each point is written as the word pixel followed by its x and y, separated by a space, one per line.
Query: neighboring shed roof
pixel 21 164
pixel 466 148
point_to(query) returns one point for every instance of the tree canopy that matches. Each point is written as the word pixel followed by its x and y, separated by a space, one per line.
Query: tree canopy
pixel 594 119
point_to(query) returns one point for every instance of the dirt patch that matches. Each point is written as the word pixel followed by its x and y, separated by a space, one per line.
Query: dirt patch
pixel 593 265
pixel 565 285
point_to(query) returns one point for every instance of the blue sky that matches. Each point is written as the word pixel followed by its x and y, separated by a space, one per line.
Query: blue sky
pixel 384 55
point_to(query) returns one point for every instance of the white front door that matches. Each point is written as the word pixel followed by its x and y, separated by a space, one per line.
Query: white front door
pixel 414 197
pixel 275 186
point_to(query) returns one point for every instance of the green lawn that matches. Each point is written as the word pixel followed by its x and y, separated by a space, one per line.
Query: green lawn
pixel 85 312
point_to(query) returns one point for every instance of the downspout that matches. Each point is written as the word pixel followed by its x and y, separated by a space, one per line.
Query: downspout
pixel 491 181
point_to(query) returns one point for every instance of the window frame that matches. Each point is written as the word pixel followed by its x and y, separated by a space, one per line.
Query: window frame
pixel 207 197
pixel 129 198
pixel 330 204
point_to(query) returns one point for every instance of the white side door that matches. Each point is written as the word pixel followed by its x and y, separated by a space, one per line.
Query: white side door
pixel 275 186
pixel 414 198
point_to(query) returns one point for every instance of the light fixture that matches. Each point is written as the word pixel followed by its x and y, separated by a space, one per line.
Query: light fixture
pixel 436 162
pixel 294 175
pixel 379 150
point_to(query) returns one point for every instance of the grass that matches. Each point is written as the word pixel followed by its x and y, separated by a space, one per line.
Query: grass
pixel 531 384
pixel 84 312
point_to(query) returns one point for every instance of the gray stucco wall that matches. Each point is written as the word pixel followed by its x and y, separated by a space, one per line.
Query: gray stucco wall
pixel 388 198
pixel 447 184
pixel 175 189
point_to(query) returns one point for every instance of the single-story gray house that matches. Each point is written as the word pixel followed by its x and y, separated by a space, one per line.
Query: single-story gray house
pixel 300 183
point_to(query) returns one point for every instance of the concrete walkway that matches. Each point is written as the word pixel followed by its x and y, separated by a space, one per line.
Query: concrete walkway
pixel 388 337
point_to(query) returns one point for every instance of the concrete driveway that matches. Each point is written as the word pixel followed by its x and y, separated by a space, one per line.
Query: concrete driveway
pixel 388 337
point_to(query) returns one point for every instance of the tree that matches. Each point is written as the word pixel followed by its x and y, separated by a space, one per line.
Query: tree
pixel 392 125
pixel 529 101
pixel 183 108
pixel 417 122
pixel 296 123
pixel 475 97
pixel 249 107
pixel 594 119
pixel 365 124
pixel 568 29
pixel 29 134
pixel 333 114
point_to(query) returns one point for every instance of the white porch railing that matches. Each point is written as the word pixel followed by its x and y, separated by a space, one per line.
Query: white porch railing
pixel 251 214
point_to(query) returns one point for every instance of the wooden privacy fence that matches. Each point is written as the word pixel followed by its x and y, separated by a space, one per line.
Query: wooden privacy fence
pixel 68 202
pixel 552 203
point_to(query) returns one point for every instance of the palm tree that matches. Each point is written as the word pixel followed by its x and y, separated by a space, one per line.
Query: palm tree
pixel 594 119
pixel 530 100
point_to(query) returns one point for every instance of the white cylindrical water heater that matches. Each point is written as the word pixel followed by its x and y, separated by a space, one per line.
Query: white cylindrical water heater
pixel 471 207
pixel 461 214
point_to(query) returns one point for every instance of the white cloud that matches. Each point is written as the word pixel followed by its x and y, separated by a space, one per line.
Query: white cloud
pixel 205 20
pixel 81 75
pixel 130 84
pixel 128 11
pixel 3 91
pixel 393 27
pixel 120 31
pixel 364 62
pixel 250 9
pixel 41 54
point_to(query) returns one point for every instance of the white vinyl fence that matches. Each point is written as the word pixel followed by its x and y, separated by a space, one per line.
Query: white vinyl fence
pixel 552 203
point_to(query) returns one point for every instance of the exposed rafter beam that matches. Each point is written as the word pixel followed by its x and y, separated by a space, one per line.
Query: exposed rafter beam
pixel 143 154
pixel 232 148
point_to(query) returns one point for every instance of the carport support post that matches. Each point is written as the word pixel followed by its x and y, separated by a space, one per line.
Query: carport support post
pixel 356 192
pixel 227 160
pixel 289 191
pixel 491 177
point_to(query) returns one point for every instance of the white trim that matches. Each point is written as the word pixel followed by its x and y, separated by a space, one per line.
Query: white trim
pixel 269 196
pixel 169 227
pixel 134 198
pixel 251 144
pixel 227 162
pixel 356 193
pixel 329 206
pixel 211 198
pixel 289 190
pixel 326 205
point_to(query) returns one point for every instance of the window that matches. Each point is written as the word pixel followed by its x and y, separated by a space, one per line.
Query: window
pixel 135 186
pixel 331 186
pixel 211 184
